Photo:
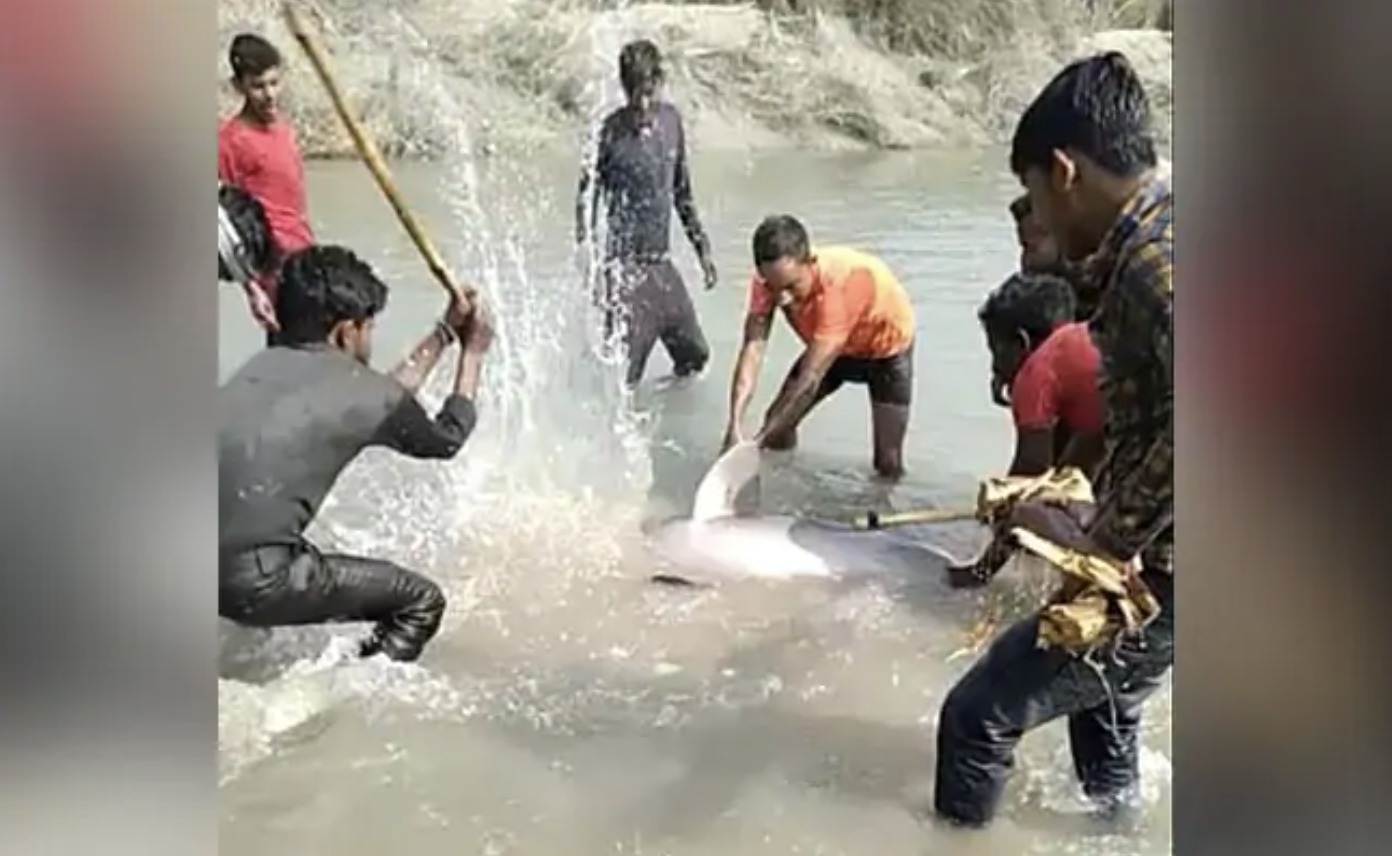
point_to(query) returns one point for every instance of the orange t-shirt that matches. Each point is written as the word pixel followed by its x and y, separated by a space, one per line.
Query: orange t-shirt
pixel 856 301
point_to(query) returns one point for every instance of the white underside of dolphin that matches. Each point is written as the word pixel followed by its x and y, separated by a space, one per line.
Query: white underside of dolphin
pixel 715 543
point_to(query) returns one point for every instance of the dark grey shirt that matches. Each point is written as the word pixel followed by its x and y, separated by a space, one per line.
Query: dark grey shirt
pixel 640 175
pixel 292 419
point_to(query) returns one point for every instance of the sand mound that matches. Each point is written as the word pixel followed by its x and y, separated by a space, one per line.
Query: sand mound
pixel 527 72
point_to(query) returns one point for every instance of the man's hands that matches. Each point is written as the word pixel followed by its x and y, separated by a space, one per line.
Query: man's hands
pixel 262 309
pixel 1057 523
pixel 471 323
pixel 1064 525
pixel 708 272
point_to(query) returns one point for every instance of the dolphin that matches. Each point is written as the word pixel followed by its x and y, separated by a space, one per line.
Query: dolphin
pixel 715 544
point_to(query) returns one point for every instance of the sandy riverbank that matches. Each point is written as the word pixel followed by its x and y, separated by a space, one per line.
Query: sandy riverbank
pixel 527 73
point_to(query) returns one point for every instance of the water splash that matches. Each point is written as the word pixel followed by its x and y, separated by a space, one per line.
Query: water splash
pixel 557 417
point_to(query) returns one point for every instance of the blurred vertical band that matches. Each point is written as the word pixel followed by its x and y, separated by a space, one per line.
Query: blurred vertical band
pixel 109 352
pixel 1283 109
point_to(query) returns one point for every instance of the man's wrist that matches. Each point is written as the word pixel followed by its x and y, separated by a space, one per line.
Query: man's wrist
pixel 446 333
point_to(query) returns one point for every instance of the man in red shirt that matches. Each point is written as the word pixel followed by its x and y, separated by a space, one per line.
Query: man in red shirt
pixel 257 152
pixel 1051 368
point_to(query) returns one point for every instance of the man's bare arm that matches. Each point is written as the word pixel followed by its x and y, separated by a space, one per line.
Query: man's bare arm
pixel 1034 451
pixel 798 396
pixel 757 327
pixel 417 365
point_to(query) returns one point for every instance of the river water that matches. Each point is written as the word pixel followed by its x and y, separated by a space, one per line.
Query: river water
pixel 569 708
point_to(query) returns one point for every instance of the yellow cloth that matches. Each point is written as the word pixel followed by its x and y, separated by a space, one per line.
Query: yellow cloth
pixel 998 495
pixel 1109 600
pixel 1102 597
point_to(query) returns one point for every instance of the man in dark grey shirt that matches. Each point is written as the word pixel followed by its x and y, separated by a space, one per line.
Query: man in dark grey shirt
pixel 640 174
pixel 293 417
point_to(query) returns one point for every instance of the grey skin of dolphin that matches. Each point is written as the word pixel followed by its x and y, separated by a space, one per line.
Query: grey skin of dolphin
pixel 717 544
pixel 786 548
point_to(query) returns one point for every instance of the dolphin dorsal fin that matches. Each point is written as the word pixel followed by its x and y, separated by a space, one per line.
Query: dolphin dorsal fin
pixel 715 497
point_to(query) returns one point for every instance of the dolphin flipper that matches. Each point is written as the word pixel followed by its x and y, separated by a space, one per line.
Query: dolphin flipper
pixel 715 497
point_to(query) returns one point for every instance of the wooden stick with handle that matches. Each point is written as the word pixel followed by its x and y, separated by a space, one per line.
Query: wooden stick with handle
pixel 875 520
pixel 371 156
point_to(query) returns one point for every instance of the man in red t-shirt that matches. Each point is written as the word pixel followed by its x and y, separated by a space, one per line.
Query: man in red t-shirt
pixel 1052 370
pixel 257 152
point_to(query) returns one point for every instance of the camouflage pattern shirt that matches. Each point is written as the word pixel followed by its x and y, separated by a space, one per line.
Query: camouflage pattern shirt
pixel 1133 328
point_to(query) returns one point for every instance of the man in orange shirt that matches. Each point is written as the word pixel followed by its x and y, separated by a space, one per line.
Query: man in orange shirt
pixel 857 323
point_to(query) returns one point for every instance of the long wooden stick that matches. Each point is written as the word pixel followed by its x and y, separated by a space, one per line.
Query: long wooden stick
pixel 371 156
pixel 874 520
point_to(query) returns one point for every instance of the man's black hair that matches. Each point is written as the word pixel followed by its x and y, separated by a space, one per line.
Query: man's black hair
pixel 1035 303
pixel 322 286
pixel 249 219
pixel 640 67
pixel 780 236
pixel 251 56
pixel 1095 107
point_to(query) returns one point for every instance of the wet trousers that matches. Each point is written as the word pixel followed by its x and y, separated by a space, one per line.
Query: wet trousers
pixel 646 302
pixel 1018 686
pixel 277 586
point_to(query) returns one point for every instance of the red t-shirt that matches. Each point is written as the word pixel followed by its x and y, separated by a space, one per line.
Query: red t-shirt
pixel 265 162
pixel 1060 383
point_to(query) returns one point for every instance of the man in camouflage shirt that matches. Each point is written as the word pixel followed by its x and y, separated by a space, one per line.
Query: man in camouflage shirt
pixel 1085 153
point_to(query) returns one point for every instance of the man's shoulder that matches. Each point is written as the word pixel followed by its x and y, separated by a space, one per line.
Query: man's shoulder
pixel 1033 392
pixel 305 363
pixel 258 365
pixel 1147 265
pixel 1074 334
pixel 231 131
pixel 861 267
pixel 670 113
pixel 613 119
pixel 1072 346
pixel 1148 257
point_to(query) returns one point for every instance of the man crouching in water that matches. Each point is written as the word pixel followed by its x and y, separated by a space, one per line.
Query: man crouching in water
pixel 1052 369
pixel 639 176
pixel 294 416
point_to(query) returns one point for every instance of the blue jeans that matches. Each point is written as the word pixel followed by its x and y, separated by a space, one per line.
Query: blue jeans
pixel 1017 686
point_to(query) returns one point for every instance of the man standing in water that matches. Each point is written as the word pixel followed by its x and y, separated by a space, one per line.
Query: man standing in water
pixel 258 153
pixel 1084 151
pixel 294 417
pixel 857 323
pixel 639 176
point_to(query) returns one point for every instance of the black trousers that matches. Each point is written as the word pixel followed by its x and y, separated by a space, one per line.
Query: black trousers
pixel 279 586
pixel 648 300
pixel 1017 686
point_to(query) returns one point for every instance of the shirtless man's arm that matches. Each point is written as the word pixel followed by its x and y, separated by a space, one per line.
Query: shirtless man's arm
pixel 684 200
pixel 758 323
pixel 800 392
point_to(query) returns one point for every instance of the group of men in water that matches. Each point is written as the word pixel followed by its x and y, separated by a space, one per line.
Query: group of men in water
pixel 1080 341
